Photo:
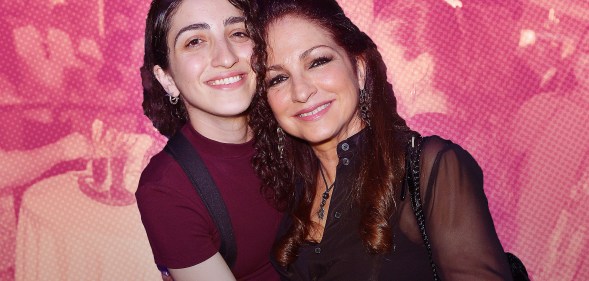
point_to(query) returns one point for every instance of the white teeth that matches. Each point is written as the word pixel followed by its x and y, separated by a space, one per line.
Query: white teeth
pixel 315 111
pixel 226 81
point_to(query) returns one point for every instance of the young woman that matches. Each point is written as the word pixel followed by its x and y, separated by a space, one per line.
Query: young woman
pixel 333 153
pixel 198 82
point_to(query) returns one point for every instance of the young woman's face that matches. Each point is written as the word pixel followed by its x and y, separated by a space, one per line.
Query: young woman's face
pixel 312 84
pixel 209 59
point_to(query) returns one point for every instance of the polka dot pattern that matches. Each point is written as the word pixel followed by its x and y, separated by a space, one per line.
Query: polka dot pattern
pixel 458 72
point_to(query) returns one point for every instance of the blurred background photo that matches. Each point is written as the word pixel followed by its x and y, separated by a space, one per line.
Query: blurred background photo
pixel 506 79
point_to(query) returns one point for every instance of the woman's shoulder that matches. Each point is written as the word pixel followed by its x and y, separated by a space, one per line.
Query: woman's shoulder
pixel 161 173
pixel 437 151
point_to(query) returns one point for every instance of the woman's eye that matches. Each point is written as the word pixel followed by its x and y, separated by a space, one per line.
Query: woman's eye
pixel 194 42
pixel 240 36
pixel 319 61
pixel 276 80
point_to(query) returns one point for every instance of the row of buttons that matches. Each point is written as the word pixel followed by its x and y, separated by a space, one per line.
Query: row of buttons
pixel 345 147
pixel 337 215
pixel 346 162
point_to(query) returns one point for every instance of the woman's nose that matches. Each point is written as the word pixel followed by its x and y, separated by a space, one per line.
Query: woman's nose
pixel 303 89
pixel 224 55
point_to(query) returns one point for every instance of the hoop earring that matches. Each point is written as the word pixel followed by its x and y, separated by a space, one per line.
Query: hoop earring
pixel 281 138
pixel 364 105
pixel 173 100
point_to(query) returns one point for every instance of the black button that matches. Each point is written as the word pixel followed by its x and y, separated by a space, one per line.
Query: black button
pixel 345 146
pixel 345 161
pixel 318 250
pixel 337 215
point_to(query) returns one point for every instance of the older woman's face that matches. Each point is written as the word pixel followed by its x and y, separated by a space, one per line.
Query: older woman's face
pixel 312 84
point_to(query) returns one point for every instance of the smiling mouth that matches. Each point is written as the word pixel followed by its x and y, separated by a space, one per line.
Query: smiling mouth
pixel 315 111
pixel 226 81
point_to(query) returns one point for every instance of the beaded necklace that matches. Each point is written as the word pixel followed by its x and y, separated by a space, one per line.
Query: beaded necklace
pixel 325 196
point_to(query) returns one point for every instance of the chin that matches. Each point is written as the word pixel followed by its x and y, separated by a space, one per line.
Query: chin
pixel 318 137
pixel 233 110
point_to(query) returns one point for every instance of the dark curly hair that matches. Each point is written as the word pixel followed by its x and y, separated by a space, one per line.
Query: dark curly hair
pixel 382 163
pixel 166 118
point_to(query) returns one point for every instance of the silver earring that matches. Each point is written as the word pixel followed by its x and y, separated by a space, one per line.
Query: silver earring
pixel 173 100
pixel 364 107
pixel 281 137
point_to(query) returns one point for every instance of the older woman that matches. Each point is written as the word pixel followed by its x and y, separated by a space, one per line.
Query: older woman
pixel 198 83
pixel 333 155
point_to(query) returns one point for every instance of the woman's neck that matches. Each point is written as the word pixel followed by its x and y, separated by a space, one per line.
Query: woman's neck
pixel 222 129
pixel 328 160
pixel 326 151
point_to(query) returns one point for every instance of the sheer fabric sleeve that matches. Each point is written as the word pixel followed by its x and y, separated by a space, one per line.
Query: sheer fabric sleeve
pixel 464 243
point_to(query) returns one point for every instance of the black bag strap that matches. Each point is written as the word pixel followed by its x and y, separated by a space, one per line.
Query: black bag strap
pixel 518 270
pixel 412 181
pixel 182 151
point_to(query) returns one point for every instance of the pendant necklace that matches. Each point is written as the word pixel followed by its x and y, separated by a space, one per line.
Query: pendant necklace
pixel 325 196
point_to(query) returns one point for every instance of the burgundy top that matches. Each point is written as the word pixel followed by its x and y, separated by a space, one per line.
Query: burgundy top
pixel 181 231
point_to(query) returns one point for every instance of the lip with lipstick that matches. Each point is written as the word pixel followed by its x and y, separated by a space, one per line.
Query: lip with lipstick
pixel 314 112
pixel 228 81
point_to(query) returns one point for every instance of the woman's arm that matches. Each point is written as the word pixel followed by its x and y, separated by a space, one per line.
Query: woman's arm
pixel 464 242
pixel 213 268
pixel 180 230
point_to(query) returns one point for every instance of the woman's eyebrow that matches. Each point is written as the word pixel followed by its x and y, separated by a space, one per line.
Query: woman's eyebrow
pixel 307 52
pixel 302 56
pixel 233 20
pixel 199 26
pixel 194 26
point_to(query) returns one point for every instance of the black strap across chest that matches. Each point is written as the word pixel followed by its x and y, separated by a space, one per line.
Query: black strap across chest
pixel 182 151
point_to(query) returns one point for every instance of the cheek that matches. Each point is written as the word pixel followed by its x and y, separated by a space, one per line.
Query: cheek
pixel 245 50
pixel 189 67
pixel 278 103
pixel 336 78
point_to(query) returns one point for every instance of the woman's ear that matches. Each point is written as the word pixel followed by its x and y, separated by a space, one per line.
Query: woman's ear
pixel 361 72
pixel 166 81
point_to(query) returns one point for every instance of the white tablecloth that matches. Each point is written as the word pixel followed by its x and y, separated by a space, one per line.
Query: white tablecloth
pixel 64 235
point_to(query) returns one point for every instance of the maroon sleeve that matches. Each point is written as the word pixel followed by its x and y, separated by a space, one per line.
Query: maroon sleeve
pixel 179 228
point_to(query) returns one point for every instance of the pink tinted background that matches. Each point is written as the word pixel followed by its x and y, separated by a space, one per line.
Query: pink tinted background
pixel 66 64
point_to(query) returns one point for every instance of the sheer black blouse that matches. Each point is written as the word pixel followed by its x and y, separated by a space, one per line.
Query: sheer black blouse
pixel 464 242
